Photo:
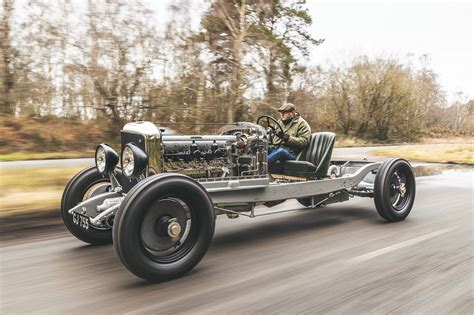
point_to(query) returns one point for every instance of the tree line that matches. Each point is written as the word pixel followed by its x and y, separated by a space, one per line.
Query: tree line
pixel 108 60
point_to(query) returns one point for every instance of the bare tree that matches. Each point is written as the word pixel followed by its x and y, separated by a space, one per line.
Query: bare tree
pixel 6 56
pixel 282 33
pixel 227 29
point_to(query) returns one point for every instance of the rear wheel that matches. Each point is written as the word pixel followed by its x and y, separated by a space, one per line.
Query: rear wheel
pixel 394 190
pixel 164 227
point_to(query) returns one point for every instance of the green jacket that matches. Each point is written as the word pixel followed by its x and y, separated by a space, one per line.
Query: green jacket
pixel 299 131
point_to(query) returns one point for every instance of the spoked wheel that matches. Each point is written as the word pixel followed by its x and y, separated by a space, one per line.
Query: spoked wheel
pixel 271 125
pixel 164 227
pixel 394 190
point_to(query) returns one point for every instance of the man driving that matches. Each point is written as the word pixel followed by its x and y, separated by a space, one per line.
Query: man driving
pixel 294 137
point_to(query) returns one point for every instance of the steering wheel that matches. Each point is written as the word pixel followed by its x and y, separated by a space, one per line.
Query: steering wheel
pixel 271 125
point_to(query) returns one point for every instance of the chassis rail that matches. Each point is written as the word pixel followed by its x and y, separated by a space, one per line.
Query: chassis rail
pixel 225 192
pixel 233 191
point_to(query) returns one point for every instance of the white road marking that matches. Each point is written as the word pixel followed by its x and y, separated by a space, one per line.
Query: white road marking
pixel 399 245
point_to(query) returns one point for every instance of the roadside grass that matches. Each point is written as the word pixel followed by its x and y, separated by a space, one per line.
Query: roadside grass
pixel 452 140
pixel 32 190
pixel 346 142
pixel 22 156
pixel 343 141
pixel 441 153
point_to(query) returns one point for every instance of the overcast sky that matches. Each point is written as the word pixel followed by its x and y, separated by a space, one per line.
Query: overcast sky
pixel 441 29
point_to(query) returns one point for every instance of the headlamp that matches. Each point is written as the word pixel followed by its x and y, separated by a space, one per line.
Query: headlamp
pixel 105 159
pixel 134 160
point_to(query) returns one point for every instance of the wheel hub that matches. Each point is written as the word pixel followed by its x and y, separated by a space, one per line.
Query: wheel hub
pixel 402 189
pixel 174 229
pixel 398 190
pixel 163 225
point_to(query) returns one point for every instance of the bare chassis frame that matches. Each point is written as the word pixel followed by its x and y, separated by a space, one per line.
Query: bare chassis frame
pixel 238 190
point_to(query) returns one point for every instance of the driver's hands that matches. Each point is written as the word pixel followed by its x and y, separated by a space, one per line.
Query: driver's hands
pixel 280 134
pixel 283 136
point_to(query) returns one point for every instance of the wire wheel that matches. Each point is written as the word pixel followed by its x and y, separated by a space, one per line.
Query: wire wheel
pixel 399 192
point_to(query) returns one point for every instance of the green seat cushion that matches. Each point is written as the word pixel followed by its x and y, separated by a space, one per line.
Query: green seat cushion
pixel 299 166
pixel 314 160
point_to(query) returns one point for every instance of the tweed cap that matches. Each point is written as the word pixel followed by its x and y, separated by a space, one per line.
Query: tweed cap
pixel 287 107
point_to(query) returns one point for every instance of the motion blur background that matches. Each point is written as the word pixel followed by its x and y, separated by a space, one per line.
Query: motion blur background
pixel 391 78
pixel 226 61
pixel 73 72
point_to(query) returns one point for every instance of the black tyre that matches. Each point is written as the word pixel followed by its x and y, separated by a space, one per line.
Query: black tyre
pixel 164 227
pixel 394 190
pixel 86 184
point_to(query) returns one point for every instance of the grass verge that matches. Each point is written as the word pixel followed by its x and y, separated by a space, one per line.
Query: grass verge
pixel 21 156
pixel 440 153
pixel 346 142
pixel 32 190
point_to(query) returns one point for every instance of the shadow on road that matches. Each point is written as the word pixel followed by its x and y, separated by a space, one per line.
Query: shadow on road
pixel 290 225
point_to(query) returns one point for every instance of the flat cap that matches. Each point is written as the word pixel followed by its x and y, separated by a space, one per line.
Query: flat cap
pixel 287 107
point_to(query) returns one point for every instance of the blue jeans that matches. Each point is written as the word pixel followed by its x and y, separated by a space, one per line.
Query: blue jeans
pixel 278 155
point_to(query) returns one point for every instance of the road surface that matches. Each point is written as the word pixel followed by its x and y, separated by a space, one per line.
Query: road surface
pixel 339 259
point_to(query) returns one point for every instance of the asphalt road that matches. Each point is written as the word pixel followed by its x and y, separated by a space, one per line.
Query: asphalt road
pixel 339 259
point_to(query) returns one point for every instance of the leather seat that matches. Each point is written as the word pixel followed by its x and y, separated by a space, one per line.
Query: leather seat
pixel 299 166
pixel 313 161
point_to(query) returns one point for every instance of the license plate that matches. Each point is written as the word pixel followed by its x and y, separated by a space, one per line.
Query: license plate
pixel 80 220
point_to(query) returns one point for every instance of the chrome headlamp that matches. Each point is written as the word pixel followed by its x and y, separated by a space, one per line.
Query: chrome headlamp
pixel 134 160
pixel 105 159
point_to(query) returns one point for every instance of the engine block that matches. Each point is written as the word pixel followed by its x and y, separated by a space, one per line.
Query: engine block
pixel 239 150
pixel 198 156
pixel 212 156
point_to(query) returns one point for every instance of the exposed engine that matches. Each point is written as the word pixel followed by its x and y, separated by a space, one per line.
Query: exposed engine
pixel 239 150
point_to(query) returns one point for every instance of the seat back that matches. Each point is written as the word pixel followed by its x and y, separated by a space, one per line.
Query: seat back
pixel 319 151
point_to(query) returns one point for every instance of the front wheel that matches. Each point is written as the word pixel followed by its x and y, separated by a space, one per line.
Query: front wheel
pixel 86 184
pixel 164 227
pixel 394 190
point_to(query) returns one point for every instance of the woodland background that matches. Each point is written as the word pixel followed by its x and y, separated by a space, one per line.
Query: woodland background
pixel 73 72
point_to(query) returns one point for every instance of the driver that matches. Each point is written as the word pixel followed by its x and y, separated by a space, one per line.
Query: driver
pixel 295 137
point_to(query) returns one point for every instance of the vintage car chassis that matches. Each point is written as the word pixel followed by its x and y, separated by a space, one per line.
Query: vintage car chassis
pixel 253 189
pixel 162 222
